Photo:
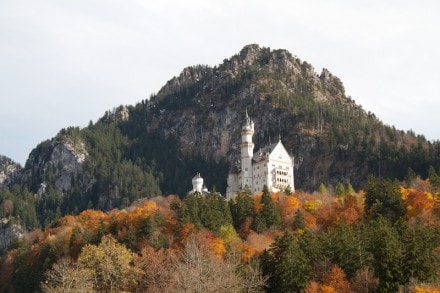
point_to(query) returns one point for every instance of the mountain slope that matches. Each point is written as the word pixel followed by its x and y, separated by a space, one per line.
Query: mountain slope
pixel 193 125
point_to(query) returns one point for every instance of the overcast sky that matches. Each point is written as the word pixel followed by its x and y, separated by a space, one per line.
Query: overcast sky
pixel 64 63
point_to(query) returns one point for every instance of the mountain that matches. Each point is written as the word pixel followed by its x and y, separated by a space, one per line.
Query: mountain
pixel 193 125
pixel 8 170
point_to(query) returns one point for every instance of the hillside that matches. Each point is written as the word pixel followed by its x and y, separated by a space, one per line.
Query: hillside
pixel 193 125
pixel 8 170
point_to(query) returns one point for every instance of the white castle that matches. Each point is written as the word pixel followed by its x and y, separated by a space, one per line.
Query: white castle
pixel 271 166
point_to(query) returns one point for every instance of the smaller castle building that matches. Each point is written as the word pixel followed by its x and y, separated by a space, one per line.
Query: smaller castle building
pixel 198 186
pixel 271 166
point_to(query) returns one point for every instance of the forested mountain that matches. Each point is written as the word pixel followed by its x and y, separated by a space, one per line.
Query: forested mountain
pixel 193 125
pixel 86 211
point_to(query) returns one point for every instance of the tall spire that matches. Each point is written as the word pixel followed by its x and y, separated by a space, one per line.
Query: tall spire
pixel 247 119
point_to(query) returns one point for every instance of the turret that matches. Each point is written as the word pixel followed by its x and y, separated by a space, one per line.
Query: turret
pixel 247 150
pixel 197 183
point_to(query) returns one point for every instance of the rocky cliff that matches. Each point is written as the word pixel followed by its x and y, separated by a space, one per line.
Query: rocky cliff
pixel 9 170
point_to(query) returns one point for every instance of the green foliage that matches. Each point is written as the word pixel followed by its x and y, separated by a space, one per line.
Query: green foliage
pixel 211 211
pixel 322 189
pixel 385 246
pixel 345 246
pixel 410 176
pixel 242 207
pixel 340 189
pixel 286 265
pixel 419 258
pixel 299 222
pixel 433 177
pixel 383 199
pixel 268 216
pixel 19 204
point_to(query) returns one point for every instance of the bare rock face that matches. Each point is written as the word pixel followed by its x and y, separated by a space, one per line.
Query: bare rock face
pixel 9 171
pixel 61 159
pixel 66 159
pixel 8 232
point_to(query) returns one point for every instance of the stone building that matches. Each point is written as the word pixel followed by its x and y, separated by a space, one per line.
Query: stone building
pixel 271 166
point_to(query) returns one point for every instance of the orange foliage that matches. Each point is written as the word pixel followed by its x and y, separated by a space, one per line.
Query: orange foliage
pixel 259 242
pixel 288 207
pixel 310 221
pixel 212 243
pixel 348 210
pixel 185 232
pixel 417 202
pixel 426 289
pixel 257 201
pixel 91 219
pixel 335 281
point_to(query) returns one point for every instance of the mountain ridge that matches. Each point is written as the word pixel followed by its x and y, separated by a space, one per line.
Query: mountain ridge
pixel 193 125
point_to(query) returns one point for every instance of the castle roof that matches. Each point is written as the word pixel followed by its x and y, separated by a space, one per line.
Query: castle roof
pixel 263 153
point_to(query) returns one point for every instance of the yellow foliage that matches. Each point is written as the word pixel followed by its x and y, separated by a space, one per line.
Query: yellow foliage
pixel 426 290
pixel 312 205
pixel 218 247
pixel 291 204
pixel 327 289
pixel 228 233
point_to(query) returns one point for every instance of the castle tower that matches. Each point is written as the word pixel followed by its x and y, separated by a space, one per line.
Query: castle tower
pixel 247 151
pixel 197 183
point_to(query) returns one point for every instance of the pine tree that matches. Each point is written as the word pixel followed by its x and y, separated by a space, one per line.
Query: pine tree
pixel 286 265
pixel 385 246
pixel 269 214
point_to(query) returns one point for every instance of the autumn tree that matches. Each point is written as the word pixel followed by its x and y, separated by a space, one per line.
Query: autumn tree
pixel 110 262
pixel 67 276
pixel 155 269
pixel 199 270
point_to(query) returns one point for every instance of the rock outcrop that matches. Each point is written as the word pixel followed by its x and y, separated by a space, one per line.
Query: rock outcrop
pixel 9 171
pixel 60 159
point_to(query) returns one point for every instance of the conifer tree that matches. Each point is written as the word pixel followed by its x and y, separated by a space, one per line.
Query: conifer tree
pixel 286 265
pixel 269 214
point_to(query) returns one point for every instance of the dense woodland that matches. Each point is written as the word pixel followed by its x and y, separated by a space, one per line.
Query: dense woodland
pixel 381 239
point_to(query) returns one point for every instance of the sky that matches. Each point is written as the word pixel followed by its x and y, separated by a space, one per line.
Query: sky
pixel 64 63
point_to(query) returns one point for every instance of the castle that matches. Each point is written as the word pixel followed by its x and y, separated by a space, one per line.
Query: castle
pixel 271 166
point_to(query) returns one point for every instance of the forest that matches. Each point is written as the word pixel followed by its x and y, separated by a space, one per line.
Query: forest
pixel 384 238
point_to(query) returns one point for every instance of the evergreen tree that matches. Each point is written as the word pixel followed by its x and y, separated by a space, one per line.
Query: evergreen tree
pixel 286 265
pixel 383 198
pixel 269 215
pixel 322 189
pixel 385 246
pixel 410 176
pixel 242 206
pixel 299 222
pixel 340 189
